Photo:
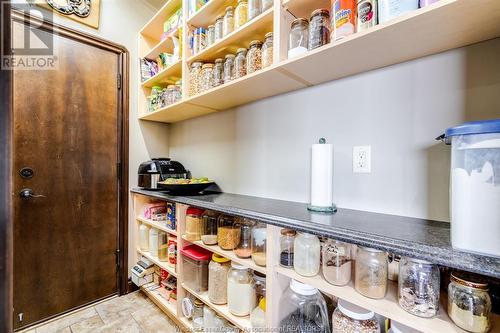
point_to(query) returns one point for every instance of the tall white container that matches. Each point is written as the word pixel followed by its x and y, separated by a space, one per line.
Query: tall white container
pixel 475 186
pixel 144 237
pixel 153 242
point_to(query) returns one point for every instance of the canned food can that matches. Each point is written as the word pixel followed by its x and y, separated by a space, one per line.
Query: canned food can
pixel 343 18
pixel 367 14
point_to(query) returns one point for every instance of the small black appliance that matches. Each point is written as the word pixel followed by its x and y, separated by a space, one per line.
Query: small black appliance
pixel 159 169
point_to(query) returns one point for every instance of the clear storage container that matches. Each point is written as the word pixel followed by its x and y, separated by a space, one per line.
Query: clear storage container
pixel 418 287
pixel 163 246
pixel 244 247
pixel 350 318
pixel 241 14
pixel 267 50
pixel 298 39
pixel 254 9
pixel 371 272
pixel 218 72
pixel 194 78
pixel 228 21
pixel 307 253
pixel 228 235
pixel 337 264
pixel 240 63
pixel 208 319
pixel 197 315
pixel 210 35
pixel 254 56
pixel 193 224
pixel 258 316
pixel 219 28
pixel 259 241
pixel 287 239
pixel 303 309
pixel 144 237
pixel 195 264
pixel 260 285
pixel 319 29
pixel 153 242
pixel 217 279
pixel 209 232
pixel 206 77
pixel 241 297
pixel 229 68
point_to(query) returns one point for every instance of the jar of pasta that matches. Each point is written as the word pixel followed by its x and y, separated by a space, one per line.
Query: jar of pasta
pixel 206 77
pixel 241 14
pixel 219 28
pixel 240 64
pixel 254 57
pixel 228 21
pixel 218 72
pixel 267 50
pixel 194 78
pixel 229 68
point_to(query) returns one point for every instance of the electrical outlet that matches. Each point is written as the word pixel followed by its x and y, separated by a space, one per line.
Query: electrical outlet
pixel 362 159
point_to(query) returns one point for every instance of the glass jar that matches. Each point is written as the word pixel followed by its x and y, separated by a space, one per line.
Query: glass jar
pixel 348 317
pixel 178 97
pixel 240 63
pixel 267 50
pixel 319 31
pixel 254 9
pixel 210 35
pixel 254 56
pixel 307 252
pixel 144 237
pixel 209 232
pixel 241 298
pixel 229 68
pixel 228 235
pixel 337 264
pixel 163 246
pixel 171 94
pixel 469 304
pixel 371 272
pixel 258 316
pixel 218 72
pixel 244 247
pixel 393 267
pixel 153 242
pixel 193 224
pixel 198 40
pixel 217 279
pixel 266 4
pixel 298 39
pixel 418 287
pixel 208 319
pixel 228 21
pixel 259 240
pixel 260 285
pixel 219 28
pixel 303 309
pixel 194 78
pixel 286 247
pixel 197 315
pixel 206 77
pixel 241 14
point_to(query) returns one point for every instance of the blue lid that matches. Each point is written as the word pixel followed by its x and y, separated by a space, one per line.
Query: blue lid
pixel 474 127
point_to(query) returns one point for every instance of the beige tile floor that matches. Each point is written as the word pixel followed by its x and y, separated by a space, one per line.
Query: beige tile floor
pixel 132 313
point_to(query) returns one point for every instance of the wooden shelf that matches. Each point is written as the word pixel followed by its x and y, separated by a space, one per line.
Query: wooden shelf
pixel 243 323
pixel 169 75
pixel 157 225
pixel 387 307
pixel 157 262
pixel 229 255
pixel 209 12
pixel 252 30
pixel 304 8
pixel 164 46
pixel 154 28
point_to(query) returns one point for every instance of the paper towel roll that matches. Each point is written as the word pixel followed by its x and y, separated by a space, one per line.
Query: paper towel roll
pixel 322 175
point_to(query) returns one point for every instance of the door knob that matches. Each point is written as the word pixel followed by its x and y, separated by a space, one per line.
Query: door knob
pixel 27 193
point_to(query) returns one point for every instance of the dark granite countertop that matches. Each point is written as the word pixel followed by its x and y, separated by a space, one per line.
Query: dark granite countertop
pixel 418 238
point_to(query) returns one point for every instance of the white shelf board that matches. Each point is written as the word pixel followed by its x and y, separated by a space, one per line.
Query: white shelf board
pixel 153 29
pixel 157 225
pixel 159 300
pixel 207 14
pixel 157 262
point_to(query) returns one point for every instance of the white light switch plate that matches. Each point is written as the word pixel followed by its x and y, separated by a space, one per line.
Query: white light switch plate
pixel 362 159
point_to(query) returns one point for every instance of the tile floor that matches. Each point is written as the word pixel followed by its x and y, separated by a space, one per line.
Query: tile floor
pixel 132 313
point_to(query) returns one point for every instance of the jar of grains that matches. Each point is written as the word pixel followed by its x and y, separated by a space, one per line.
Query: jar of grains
pixel 240 14
pixel 217 279
pixel 259 240
pixel 218 72
pixel 228 21
pixel 194 78
pixel 229 68
pixel 206 77
pixel 254 56
pixel 418 287
pixel 266 4
pixel 298 40
pixel 193 224
pixel 319 31
pixel 469 304
pixel 254 9
pixel 241 298
pixel 219 27
pixel 210 35
pixel 350 318
pixel 286 247
pixel 228 235
pixel 371 272
pixel 209 231
pixel 244 247
pixel 307 253
pixel 267 50
pixel 240 63
pixel 337 264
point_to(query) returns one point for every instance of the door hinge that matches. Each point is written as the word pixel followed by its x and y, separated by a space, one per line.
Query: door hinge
pixel 119 81
pixel 117 255
pixel 119 170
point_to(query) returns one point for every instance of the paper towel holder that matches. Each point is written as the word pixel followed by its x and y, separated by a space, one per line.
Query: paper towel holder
pixel 323 209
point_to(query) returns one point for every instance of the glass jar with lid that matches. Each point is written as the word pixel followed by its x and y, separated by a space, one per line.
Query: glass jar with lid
pixel 228 21
pixel 266 4
pixel 193 224
pixel 298 39
pixel 194 78
pixel 254 56
pixel 241 14
pixel 219 28
pixel 348 317
pixel 260 285
pixel 244 247
pixel 218 72
pixel 319 30
pixel 303 309
pixel 337 264
pixel 197 315
pixel 307 253
pixel 171 94
pixel 209 230
pixel 229 68
pixel 287 239
pixel 240 63
pixel 241 298
pixel 254 9
pixel 267 50
pixel 228 235
pixel 206 77
pixel 259 240
pixel 217 279
pixel 469 304
pixel 371 272
pixel 162 246
pixel 210 35
pixel 418 287
pixel 178 90
pixel 208 319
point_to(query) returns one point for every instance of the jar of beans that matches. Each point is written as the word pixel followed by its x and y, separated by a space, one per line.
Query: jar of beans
pixel 319 31
pixel 241 14
pixel 254 57
pixel 206 77
pixel 240 65
pixel 229 68
pixel 267 50
pixel 194 78
pixel 210 35
pixel 228 21
pixel 219 27
pixel 218 72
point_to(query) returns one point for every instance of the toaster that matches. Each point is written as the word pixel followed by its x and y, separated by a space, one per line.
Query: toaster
pixel 159 169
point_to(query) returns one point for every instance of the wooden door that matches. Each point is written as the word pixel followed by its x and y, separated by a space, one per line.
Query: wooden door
pixel 66 149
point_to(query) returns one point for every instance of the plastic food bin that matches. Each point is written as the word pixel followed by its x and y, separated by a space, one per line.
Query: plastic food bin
pixel 195 267
pixel 475 186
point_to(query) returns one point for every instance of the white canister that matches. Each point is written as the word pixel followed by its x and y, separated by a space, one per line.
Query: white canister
pixel 144 237
pixel 389 9
pixel 153 242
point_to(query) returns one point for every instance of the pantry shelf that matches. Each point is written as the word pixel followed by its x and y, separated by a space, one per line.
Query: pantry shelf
pixel 154 28
pixel 157 225
pixel 169 75
pixel 304 8
pixel 153 291
pixel 157 262
pixel 165 45
pixel 229 255
pixel 207 14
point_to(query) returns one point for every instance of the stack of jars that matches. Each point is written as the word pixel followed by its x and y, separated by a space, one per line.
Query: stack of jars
pixel 159 244
pixel 162 97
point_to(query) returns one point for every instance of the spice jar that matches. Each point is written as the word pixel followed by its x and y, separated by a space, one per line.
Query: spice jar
pixel 229 68
pixel 267 50
pixel 254 9
pixel 418 287
pixel 194 78
pixel 218 72
pixel 197 315
pixel 219 28
pixel 307 252
pixel 319 31
pixel 193 224
pixel 254 56
pixel 350 318
pixel 209 231
pixel 469 304
pixel 266 4
pixel 337 262
pixel 163 246
pixel 240 63
pixel 228 235
pixel 206 77
pixel 244 247
pixel 259 239
pixel 217 279
pixel 210 35
pixel 286 247
pixel 298 39
pixel 241 298
pixel 241 14
pixel 371 272
pixel 260 285
pixel 228 21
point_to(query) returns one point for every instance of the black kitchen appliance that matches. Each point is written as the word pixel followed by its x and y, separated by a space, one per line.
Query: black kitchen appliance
pixel 159 169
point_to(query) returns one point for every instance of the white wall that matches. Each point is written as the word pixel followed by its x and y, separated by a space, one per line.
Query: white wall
pixel 263 148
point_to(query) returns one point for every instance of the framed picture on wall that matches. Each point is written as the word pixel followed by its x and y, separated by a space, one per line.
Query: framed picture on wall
pixel 82 11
